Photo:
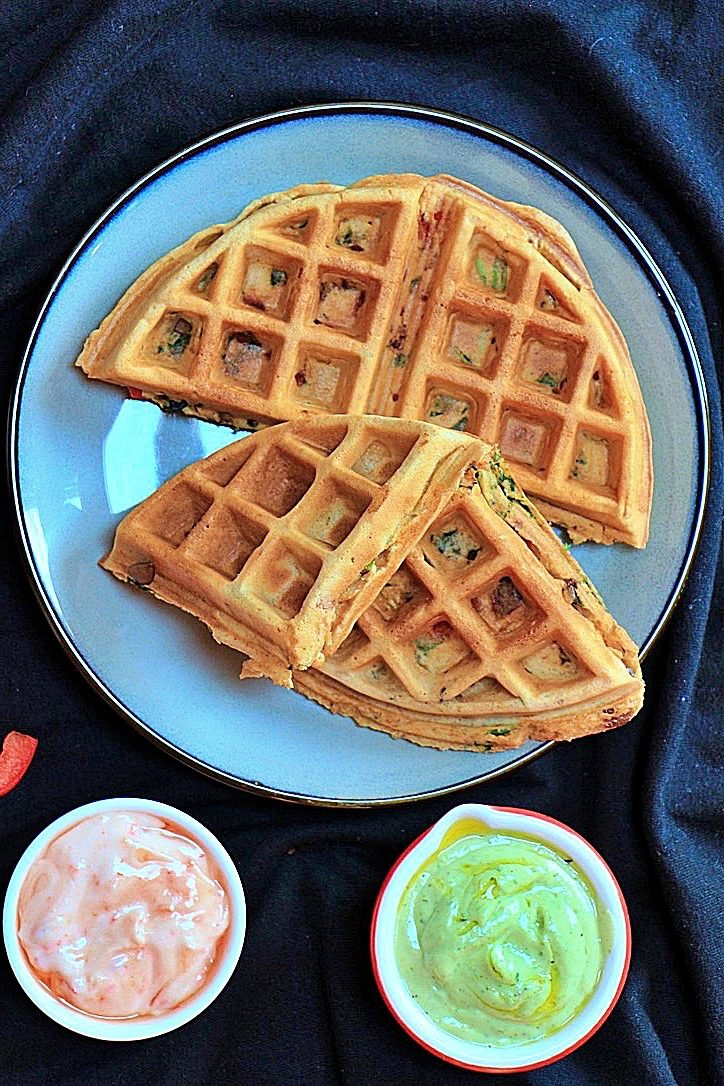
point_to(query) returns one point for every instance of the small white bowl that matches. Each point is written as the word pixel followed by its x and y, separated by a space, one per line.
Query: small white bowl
pixel 532 1054
pixel 128 1029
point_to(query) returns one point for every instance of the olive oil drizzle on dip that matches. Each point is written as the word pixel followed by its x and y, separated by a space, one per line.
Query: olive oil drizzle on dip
pixel 499 937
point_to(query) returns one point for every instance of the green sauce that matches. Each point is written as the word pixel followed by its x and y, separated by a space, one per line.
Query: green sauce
pixel 500 938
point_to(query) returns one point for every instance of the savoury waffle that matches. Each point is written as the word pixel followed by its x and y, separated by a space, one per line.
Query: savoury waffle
pixel 488 635
pixel 402 296
pixel 280 541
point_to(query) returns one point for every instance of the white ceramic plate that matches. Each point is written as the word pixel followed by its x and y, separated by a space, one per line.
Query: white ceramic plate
pixel 82 454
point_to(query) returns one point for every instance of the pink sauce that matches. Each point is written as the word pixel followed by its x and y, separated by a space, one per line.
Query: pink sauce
pixel 122 915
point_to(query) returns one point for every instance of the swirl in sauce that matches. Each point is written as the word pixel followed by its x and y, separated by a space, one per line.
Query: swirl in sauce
pixel 500 938
pixel 121 916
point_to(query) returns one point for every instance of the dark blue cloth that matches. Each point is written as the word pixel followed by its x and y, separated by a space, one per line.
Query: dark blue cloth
pixel 629 96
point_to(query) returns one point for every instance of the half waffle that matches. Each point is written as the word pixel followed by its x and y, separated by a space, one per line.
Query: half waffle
pixel 403 296
pixel 279 542
pixel 488 635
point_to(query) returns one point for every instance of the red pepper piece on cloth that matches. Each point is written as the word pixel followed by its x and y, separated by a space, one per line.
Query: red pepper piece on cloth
pixel 17 754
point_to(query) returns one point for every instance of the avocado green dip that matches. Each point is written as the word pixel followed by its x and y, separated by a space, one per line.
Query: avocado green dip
pixel 499 938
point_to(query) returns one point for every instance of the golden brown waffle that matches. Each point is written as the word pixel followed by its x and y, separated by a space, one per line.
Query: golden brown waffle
pixel 489 634
pixel 404 296
pixel 280 541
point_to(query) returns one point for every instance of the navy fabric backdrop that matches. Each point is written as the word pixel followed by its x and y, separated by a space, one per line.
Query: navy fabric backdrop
pixel 629 96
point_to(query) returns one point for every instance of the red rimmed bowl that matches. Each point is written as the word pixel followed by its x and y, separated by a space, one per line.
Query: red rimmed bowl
pixel 529 1055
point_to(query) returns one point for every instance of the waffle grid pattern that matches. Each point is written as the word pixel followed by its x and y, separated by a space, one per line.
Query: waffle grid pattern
pixel 309 314
pixel 416 301
pixel 534 391
pixel 500 643
pixel 250 529
pixel 479 621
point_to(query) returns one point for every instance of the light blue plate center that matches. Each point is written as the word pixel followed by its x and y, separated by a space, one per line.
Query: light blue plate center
pixel 86 455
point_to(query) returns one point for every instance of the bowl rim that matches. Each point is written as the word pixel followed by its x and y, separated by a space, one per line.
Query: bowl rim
pixel 621 924
pixel 126 1029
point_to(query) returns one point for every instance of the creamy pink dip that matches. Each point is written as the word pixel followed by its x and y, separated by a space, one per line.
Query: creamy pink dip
pixel 122 915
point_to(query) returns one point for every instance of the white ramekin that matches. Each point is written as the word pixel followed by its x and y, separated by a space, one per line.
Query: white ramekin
pixel 532 1054
pixel 129 1029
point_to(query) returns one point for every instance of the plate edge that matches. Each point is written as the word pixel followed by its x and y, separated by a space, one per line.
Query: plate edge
pixel 410 110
